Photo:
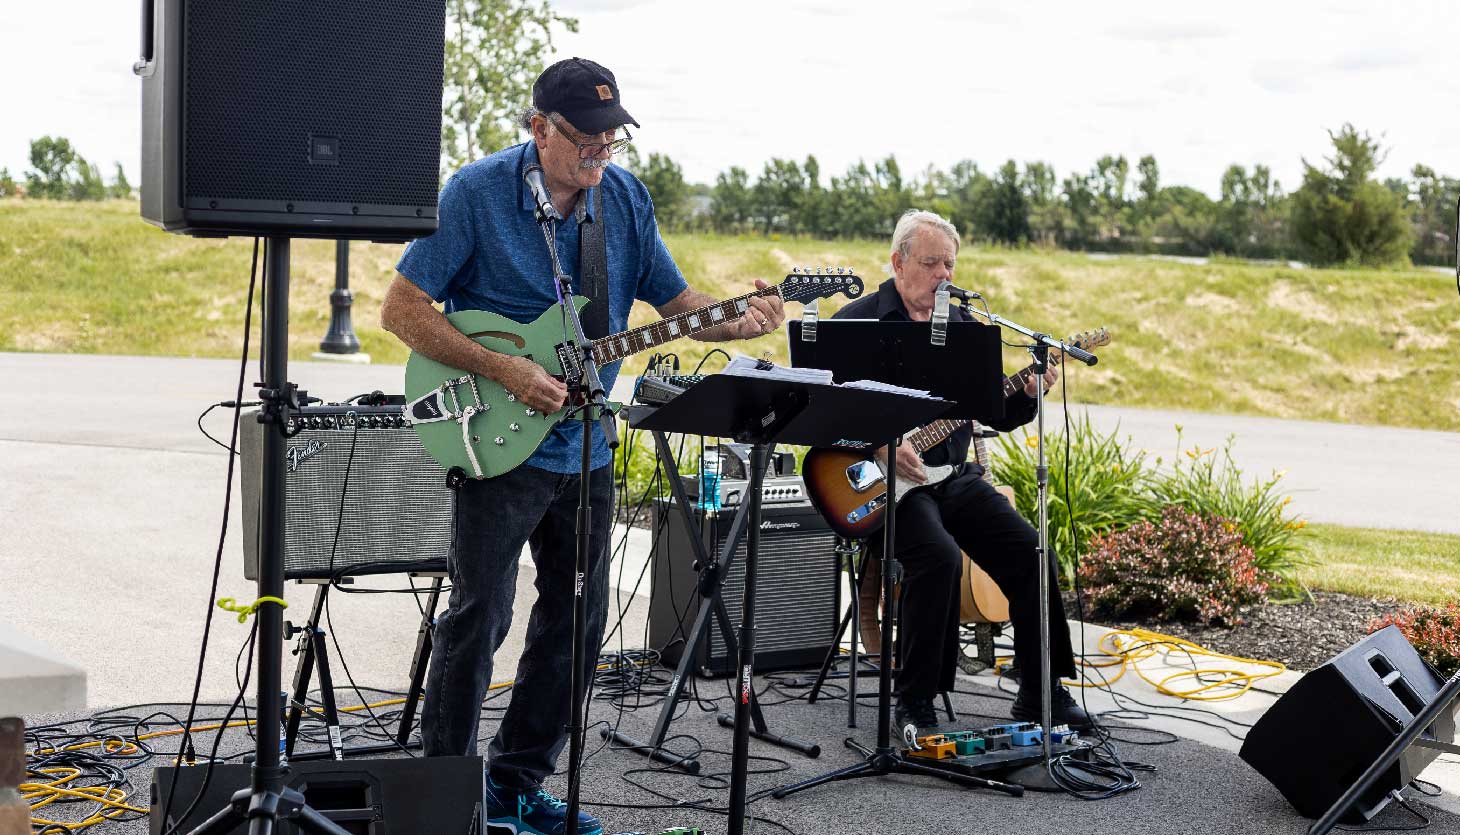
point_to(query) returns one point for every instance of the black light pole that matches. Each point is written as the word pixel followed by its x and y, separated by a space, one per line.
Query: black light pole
pixel 341 337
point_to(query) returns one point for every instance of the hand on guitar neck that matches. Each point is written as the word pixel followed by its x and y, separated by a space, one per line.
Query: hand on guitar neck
pixel 910 467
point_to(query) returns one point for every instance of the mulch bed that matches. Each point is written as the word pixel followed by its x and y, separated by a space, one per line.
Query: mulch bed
pixel 1302 635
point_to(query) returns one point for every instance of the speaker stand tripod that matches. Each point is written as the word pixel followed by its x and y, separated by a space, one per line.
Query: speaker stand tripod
pixel 268 803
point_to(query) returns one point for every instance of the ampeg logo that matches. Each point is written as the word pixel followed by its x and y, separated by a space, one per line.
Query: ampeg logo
pixel 299 454
pixel 768 525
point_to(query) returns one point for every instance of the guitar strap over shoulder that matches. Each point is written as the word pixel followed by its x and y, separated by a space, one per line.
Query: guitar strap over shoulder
pixel 593 266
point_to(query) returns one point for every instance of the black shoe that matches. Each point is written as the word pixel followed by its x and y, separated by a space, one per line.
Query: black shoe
pixel 914 717
pixel 1064 710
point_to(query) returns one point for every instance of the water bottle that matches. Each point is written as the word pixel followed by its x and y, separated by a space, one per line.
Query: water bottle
pixel 710 480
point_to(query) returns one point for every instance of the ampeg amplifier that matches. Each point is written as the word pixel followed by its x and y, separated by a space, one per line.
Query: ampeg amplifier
pixel 796 588
pixel 357 470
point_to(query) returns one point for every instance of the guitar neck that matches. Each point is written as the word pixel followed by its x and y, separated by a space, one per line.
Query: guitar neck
pixel 616 347
pixel 939 430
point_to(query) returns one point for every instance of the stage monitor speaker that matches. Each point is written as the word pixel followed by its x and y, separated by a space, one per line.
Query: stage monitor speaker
pixel 1321 735
pixel 364 797
pixel 304 120
pixel 361 495
pixel 796 588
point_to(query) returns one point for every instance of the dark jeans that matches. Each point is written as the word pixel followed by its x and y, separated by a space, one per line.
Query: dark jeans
pixel 932 525
pixel 494 518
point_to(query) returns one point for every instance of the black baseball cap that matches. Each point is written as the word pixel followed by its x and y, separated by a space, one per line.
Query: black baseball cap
pixel 584 93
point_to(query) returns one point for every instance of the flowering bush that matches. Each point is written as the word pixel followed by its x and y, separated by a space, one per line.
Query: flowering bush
pixel 1434 633
pixel 1188 566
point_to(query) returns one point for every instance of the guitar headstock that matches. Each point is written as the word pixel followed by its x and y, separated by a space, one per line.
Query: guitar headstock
pixel 1085 340
pixel 808 283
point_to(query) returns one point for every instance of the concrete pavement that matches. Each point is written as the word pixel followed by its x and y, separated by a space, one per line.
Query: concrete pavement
pixel 110 504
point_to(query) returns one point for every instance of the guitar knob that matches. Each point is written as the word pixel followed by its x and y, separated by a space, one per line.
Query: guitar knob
pixel 531 412
pixel 511 398
pixel 499 440
pixel 514 427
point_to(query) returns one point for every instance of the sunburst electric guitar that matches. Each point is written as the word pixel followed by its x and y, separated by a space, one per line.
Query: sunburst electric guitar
pixel 468 421
pixel 848 486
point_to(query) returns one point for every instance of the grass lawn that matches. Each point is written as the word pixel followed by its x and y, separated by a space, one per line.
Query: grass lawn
pixel 1410 566
pixel 1337 345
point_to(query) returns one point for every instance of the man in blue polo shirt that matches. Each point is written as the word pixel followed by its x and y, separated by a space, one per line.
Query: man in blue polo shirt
pixel 489 254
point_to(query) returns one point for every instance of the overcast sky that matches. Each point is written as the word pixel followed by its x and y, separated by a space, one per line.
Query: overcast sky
pixel 1200 86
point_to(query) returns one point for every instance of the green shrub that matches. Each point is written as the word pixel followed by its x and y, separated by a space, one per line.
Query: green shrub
pixel 1434 633
pixel 1109 485
pixel 1113 487
pixel 1197 483
pixel 1189 566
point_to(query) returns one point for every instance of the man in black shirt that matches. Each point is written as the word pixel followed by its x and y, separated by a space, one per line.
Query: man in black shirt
pixel 938 523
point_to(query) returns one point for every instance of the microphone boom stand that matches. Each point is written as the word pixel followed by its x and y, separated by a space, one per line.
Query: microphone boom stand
pixel 593 396
pixel 1027 776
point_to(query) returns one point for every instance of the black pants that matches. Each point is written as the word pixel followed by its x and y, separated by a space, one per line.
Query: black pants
pixel 495 517
pixel 933 524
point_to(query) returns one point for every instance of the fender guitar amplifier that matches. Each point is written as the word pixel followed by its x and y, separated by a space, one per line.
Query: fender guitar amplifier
pixel 796 588
pixel 358 470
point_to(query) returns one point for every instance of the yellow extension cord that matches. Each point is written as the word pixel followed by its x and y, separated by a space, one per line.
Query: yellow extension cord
pixel 1125 649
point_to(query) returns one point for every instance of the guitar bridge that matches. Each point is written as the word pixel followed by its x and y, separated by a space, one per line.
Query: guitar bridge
pixel 572 362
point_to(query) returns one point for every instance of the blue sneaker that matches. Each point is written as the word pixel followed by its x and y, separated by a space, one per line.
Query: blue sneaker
pixel 533 812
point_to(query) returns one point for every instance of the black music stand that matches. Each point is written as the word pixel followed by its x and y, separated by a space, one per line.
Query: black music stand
pixel 762 412
pixel 713 572
pixel 901 353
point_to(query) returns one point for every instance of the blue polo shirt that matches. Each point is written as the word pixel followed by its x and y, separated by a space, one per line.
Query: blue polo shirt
pixel 488 254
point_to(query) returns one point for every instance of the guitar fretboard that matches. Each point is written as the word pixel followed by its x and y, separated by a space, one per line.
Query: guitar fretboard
pixel 939 430
pixel 616 347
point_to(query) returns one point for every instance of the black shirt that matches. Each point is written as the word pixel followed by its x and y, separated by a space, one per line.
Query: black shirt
pixel 886 305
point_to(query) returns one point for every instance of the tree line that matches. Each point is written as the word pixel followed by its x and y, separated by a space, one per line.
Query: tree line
pixel 1340 214
pixel 59 172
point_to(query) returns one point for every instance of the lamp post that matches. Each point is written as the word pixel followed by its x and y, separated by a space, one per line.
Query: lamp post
pixel 340 343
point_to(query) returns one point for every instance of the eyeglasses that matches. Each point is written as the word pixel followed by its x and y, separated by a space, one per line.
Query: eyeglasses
pixel 593 150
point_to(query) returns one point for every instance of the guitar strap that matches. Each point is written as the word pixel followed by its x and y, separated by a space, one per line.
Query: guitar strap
pixel 593 266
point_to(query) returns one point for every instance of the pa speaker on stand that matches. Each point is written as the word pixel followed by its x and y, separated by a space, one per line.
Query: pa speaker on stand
pixel 304 120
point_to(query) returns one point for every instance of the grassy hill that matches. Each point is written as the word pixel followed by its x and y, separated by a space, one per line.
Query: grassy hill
pixel 1356 346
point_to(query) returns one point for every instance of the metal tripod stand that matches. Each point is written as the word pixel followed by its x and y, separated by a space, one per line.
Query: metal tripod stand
pixel 267 802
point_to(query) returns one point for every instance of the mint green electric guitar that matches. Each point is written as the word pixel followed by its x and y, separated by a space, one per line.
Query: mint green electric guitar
pixel 471 422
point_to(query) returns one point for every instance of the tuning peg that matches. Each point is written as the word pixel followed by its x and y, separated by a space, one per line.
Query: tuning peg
pixel 795 271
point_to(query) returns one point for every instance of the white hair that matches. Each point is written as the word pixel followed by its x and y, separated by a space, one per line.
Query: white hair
pixel 908 225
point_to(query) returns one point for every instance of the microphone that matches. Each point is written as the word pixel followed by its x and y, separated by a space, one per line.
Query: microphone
pixel 533 177
pixel 958 292
pixel 939 333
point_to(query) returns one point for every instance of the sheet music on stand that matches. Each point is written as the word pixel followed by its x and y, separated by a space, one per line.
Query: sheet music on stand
pixel 878 385
pixel 743 366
